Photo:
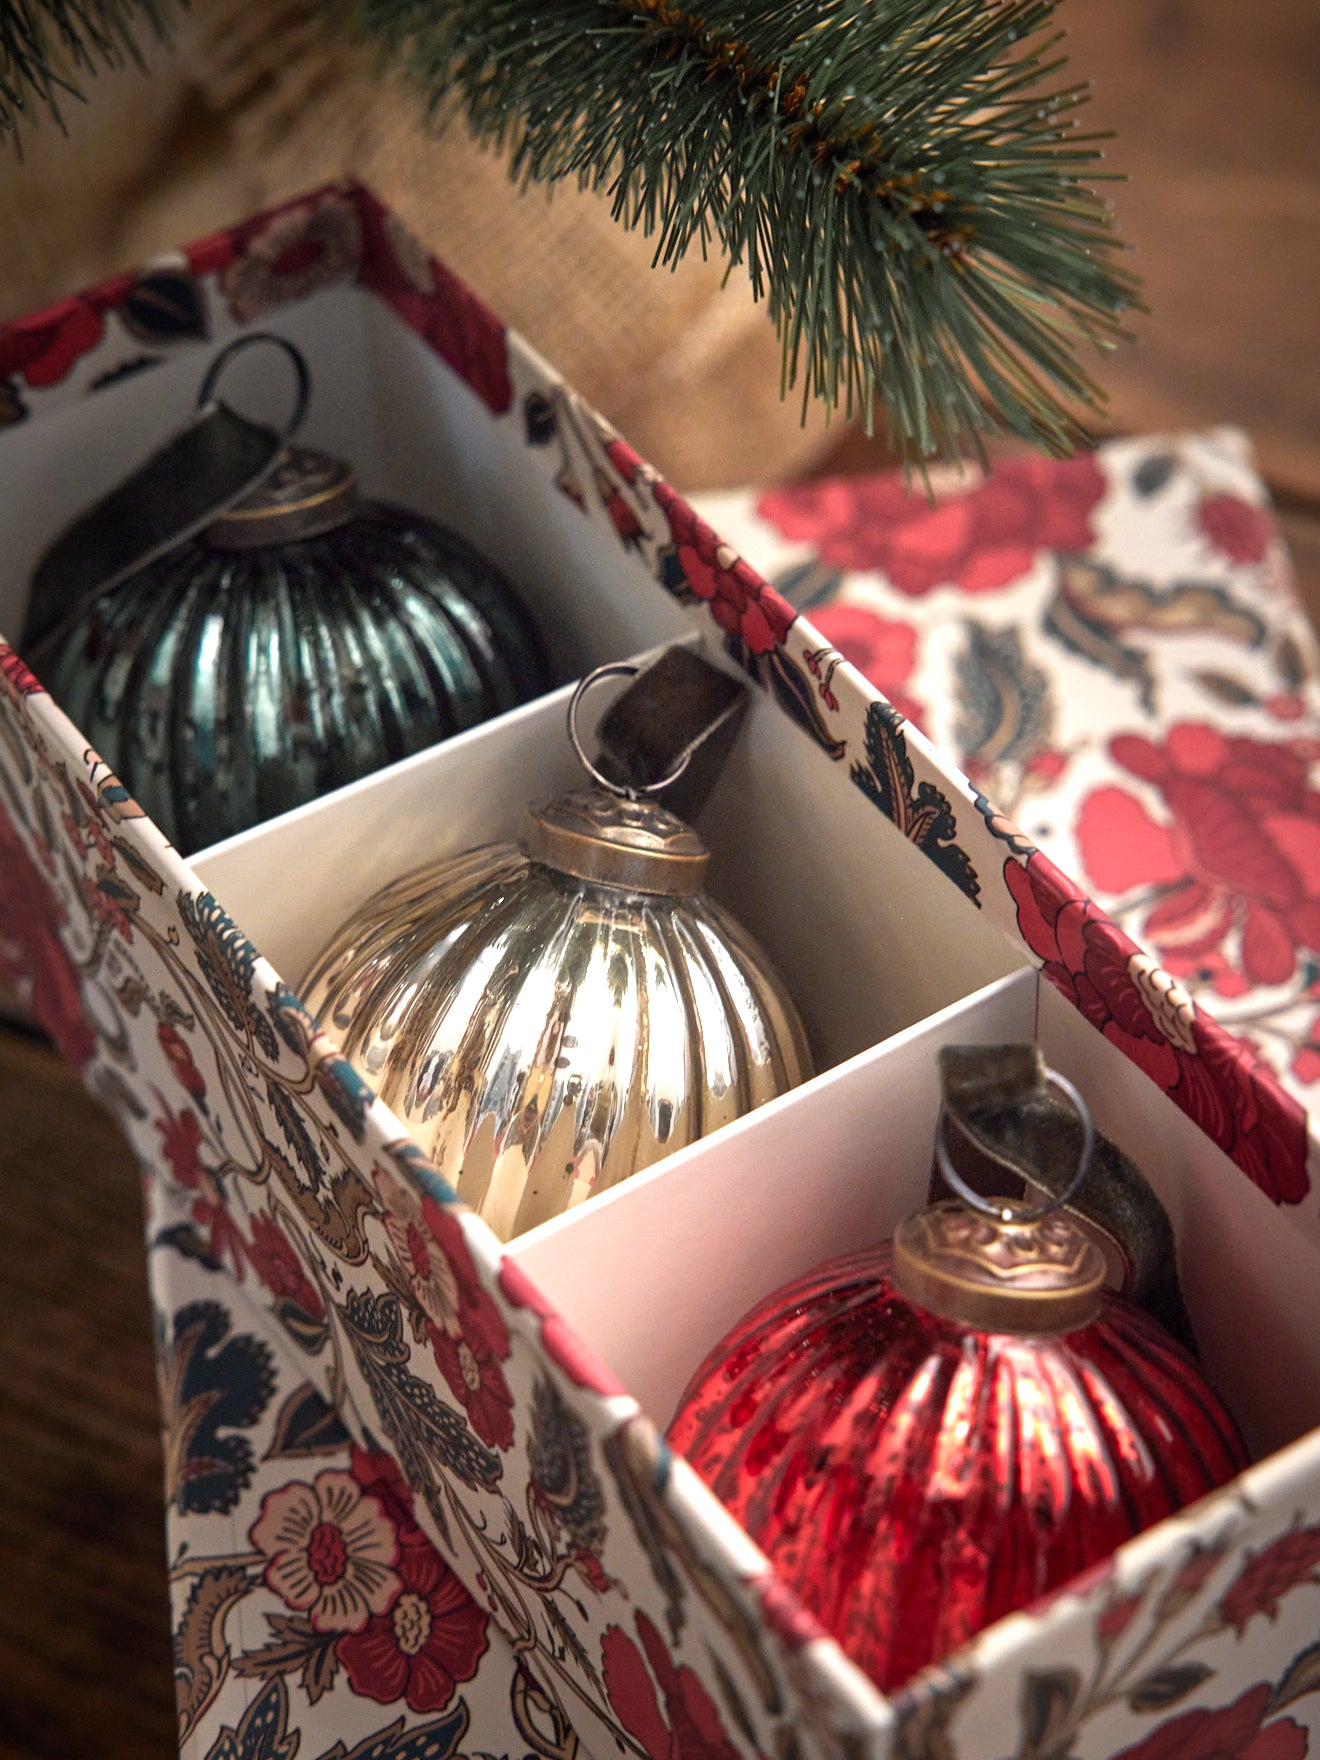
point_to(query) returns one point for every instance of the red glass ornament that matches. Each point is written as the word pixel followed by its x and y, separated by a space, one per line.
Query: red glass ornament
pixel 914 1478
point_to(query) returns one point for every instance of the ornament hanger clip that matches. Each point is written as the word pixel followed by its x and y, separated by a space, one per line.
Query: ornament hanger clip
pixel 206 396
pixel 626 791
pixel 1015 1213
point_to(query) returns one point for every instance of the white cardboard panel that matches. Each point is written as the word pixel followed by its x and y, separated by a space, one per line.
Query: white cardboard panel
pixel 655 1272
pixel 1250 1281
pixel 869 936
pixel 445 456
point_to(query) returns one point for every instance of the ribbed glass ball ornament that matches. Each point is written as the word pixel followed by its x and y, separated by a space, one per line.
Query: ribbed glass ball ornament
pixel 548 1018
pixel 304 639
pixel 930 1434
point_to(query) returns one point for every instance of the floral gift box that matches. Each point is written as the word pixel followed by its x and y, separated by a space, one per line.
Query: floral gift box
pixel 417 1500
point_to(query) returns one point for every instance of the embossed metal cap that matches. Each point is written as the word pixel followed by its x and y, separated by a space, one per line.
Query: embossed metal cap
pixel 999 1274
pixel 306 494
pixel 636 845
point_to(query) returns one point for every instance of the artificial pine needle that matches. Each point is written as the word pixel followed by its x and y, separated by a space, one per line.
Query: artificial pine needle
pixel 892 175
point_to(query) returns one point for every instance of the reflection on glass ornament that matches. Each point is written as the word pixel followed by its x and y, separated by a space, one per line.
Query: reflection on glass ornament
pixel 549 1017
pixel 929 1434
pixel 299 640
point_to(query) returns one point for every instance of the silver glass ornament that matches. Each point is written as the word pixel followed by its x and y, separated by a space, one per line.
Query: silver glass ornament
pixel 304 639
pixel 551 1016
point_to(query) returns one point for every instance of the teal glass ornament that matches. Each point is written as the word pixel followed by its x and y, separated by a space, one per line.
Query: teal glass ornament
pixel 303 639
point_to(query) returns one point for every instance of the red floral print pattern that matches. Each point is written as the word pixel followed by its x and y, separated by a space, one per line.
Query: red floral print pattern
pixel 1236 528
pixel 1214 1078
pixel 740 601
pixel 432 1635
pixel 292 253
pixel 43 348
pixel 181 1144
pixel 561 1344
pixel 277 1265
pixel 425 1265
pixel 1231 1732
pixel 16 675
pixel 1117 1616
pixel 179 1052
pixel 975 539
pixel 469 1355
pixel 684 1723
pixel 477 1382
pixel 1267 1576
pixel 1241 851
pixel 331 1551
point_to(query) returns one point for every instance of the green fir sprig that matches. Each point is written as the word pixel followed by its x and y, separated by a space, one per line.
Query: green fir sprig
pixel 902 179
pixel 46 46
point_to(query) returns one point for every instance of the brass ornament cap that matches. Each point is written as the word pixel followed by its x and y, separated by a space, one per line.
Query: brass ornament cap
pixel 999 1275
pixel 307 494
pixel 636 845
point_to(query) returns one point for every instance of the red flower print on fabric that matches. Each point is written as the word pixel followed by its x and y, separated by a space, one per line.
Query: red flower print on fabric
pixel 16 675
pixel 1216 1079
pixel 562 1345
pixel 431 1636
pixel 883 649
pixel 977 538
pixel 470 1350
pixel 42 349
pixel 291 253
pixel 331 1551
pixel 179 1052
pixel 740 601
pixel 1230 1732
pixel 1239 850
pixel 276 1263
pixel 1268 1575
pixel 381 1477
pixel 181 1145
pixel 424 1263
pixel 31 951
pixel 683 1723
pixel 1236 528
pixel 476 1382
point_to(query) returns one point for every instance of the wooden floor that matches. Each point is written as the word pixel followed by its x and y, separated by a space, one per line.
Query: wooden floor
pixel 1218 107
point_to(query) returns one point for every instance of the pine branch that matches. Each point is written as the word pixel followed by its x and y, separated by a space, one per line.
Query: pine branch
pixel 46 45
pixel 901 179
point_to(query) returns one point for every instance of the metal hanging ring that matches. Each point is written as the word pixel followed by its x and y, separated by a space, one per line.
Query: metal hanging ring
pixel 627 791
pixel 206 396
pixel 1000 1211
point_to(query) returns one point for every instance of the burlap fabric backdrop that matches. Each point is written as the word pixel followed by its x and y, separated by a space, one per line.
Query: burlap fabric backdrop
pixel 253 105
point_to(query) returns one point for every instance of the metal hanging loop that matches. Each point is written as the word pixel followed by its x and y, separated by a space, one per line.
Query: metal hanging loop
pixel 999 1211
pixel 626 791
pixel 206 398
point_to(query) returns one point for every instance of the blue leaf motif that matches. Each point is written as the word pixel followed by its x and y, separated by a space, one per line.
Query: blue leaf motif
pixel 212 1385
